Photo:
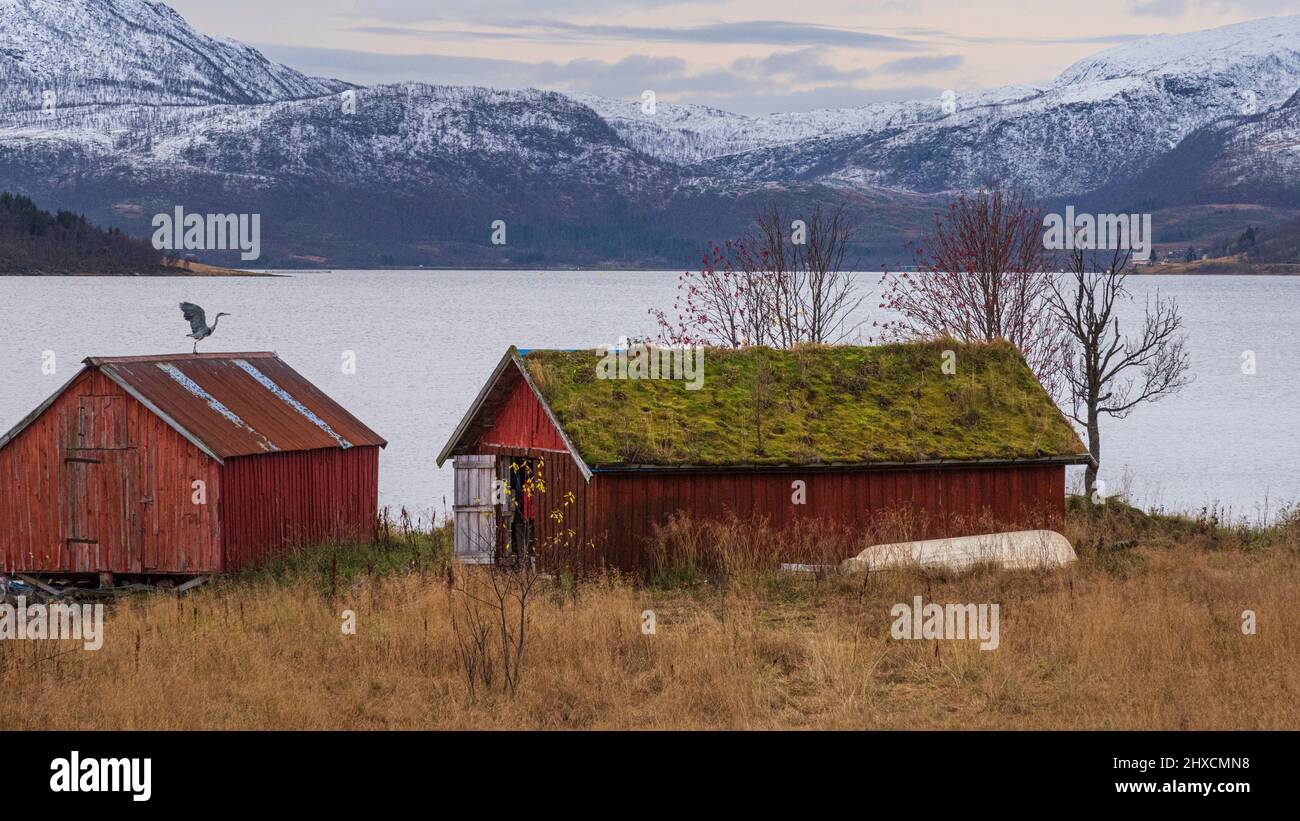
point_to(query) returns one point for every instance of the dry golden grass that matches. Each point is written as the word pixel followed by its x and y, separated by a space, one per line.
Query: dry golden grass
pixel 1147 637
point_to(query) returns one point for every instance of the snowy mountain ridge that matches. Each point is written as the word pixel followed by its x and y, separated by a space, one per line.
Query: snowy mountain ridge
pixel 1112 113
pixel 87 52
pixel 1208 52
pixel 149 112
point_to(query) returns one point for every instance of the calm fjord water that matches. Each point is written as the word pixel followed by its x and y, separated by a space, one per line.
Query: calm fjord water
pixel 425 341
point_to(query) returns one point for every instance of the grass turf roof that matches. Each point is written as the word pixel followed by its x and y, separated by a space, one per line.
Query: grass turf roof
pixel 809 406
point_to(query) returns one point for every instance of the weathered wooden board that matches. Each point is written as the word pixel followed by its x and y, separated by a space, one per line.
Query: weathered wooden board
pixel 473 511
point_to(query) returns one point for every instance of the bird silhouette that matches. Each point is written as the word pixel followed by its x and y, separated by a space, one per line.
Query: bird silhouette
pixel 199 327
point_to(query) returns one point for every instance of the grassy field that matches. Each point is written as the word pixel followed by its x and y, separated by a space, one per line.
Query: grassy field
pixel 1144 635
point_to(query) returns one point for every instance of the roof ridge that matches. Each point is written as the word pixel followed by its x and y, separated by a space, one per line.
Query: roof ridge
pixel 95 361
pixel 927 343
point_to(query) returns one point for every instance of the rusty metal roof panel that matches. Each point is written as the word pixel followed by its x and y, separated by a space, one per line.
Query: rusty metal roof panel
pixel 237 404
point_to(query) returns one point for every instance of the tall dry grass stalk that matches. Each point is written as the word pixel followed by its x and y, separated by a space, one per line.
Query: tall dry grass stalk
pixel 1130 637
pixel 731 548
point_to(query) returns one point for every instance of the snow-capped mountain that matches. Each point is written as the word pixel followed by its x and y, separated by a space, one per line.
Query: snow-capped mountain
pixel 687 134
pixel 401 166
pixel 130 51
pixel 1105 119
pixel 477 137
pixel 1260 155
pixel 148 113
pixel 1248 159
pixel 159 115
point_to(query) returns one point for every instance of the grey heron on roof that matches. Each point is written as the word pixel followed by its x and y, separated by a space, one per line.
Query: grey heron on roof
pixel 199 327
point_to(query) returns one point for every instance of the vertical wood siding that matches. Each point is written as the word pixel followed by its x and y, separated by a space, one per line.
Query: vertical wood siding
pixel 280 501
pixel 622 510
pixel 521 422
pixel 99 483
pixel 605 522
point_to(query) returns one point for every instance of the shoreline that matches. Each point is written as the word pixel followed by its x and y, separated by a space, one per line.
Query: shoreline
pixel 1211 267
pixel 1222 267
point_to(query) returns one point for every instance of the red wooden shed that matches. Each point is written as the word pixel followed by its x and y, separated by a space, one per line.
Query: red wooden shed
pixel 845 434
pixel 182 464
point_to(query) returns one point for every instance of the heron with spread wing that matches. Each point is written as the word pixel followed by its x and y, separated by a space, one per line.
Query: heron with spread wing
pixel 199 327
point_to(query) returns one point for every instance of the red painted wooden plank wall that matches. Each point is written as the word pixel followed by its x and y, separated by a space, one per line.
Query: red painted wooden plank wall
pixel 99 483
pixel 521 422
pixel 607 521
pixel 280 501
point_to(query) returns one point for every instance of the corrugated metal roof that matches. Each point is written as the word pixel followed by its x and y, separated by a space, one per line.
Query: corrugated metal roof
pixel 237 404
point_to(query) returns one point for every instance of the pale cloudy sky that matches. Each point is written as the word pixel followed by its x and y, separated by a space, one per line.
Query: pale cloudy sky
pixel 743 55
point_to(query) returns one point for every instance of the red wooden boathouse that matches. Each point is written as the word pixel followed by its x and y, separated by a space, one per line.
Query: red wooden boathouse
pixel 869 432
pixel 186 464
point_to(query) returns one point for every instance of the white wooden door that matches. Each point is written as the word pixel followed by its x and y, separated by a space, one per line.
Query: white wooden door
pixel 474 509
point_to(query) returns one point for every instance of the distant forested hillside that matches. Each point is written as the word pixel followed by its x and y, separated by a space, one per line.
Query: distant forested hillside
pixel 1282 244
pixel 33 241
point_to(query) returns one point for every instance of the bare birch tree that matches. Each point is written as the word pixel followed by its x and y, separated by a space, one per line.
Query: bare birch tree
pixel 1106 370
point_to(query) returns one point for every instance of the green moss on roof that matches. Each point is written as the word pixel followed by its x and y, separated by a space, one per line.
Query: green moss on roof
pixel 811 405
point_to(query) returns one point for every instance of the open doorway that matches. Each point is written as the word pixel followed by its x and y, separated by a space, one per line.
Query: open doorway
pixel 522 479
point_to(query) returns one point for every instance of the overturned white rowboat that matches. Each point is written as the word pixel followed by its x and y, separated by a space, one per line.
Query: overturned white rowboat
pixel 1012 550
